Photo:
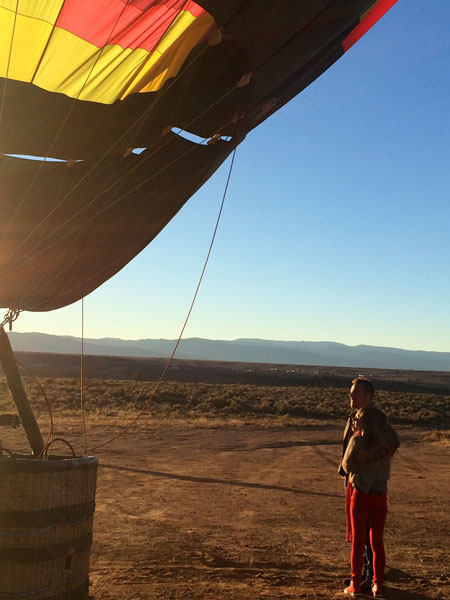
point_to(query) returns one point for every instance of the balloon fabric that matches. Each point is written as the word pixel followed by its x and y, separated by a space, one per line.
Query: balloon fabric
pixel 134 104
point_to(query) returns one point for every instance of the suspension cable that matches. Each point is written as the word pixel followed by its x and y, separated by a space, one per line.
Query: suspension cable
pixel 69 112
pixel 169 362
pixel 29 255
pixel 101 210
pixel 8 62
pixel 107 152
pixel 82 406
pixel 94 216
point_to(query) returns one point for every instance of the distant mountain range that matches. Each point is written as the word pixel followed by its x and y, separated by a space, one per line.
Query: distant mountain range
pixel 241 350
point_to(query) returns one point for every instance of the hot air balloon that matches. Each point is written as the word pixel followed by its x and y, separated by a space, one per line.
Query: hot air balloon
pixel 85 84
pixel 112 114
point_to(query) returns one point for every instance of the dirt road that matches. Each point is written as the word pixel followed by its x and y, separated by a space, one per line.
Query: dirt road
pixel 244 512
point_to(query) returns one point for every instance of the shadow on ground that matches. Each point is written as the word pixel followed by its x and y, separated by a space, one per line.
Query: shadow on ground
pixel 288 444
pixel 392 592
pixel 234 482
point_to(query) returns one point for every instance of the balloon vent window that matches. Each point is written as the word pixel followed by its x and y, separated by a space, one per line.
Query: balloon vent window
pixel 196 139
pixel 41 158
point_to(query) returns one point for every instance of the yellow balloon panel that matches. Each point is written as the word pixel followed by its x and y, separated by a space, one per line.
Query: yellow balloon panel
pixel 33 50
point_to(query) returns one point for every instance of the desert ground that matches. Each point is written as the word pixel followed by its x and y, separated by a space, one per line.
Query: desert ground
pixel 210 509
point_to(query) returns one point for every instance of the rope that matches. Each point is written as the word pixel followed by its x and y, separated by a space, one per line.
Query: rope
pixel 84 226
pixel 64 258
pixel 30 256
pixel 8 62
pixel 65 442
pixel 144 114
pixel 24 259
pixel 134 124
pixel 69 112
pixel 49 439
pixel 10 316
pixel 169 362
pixel 23 289
pixel 94 216
pixel 82 411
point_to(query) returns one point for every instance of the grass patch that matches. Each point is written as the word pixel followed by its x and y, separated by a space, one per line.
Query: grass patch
pixel 282 406
pixel 437 437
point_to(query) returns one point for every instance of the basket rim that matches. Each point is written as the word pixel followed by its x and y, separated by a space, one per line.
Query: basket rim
pixel 28 464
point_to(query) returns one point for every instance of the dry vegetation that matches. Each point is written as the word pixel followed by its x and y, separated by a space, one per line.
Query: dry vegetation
pixel 248 402
pixel 437 437
pixel 222 492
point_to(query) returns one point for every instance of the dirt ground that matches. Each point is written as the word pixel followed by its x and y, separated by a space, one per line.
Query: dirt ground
pixel 246 512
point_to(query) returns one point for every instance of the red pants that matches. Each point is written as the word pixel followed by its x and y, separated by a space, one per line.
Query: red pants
pixel 367 513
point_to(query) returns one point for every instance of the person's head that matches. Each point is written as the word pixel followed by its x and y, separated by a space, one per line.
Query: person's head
pixel 361 392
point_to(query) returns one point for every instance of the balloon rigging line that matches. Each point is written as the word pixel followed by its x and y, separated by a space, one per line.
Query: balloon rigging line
pixel 169 362
pixel 82 405
pixel 77 233
pixel 23 285
pixel 111 186
pixel 24 260
pixel 58 133
pixel 105 155
pixel 8 63
pixel 138 246
pixel 69 112
pixel 109 150
pixel 98 162
pixel 84 227
pixel 47 43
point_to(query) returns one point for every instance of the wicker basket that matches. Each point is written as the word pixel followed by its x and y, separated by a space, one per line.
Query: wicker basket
pixel 46 515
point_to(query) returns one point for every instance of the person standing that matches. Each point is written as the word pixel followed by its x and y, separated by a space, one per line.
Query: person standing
pixel 361 394
pixel 367 462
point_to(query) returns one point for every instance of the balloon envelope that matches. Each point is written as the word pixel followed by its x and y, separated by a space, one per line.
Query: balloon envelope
pixel 88 83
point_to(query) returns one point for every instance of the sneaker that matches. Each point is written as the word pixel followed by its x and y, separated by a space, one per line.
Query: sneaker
pixel 377 591
pixel 352 592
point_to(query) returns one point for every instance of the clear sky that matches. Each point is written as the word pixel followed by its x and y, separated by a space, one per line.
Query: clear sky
pixel 337 221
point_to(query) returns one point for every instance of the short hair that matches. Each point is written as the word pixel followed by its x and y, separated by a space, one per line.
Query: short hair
pixel 365 383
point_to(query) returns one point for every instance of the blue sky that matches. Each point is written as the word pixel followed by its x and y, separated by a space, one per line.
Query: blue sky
pixel 336 224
